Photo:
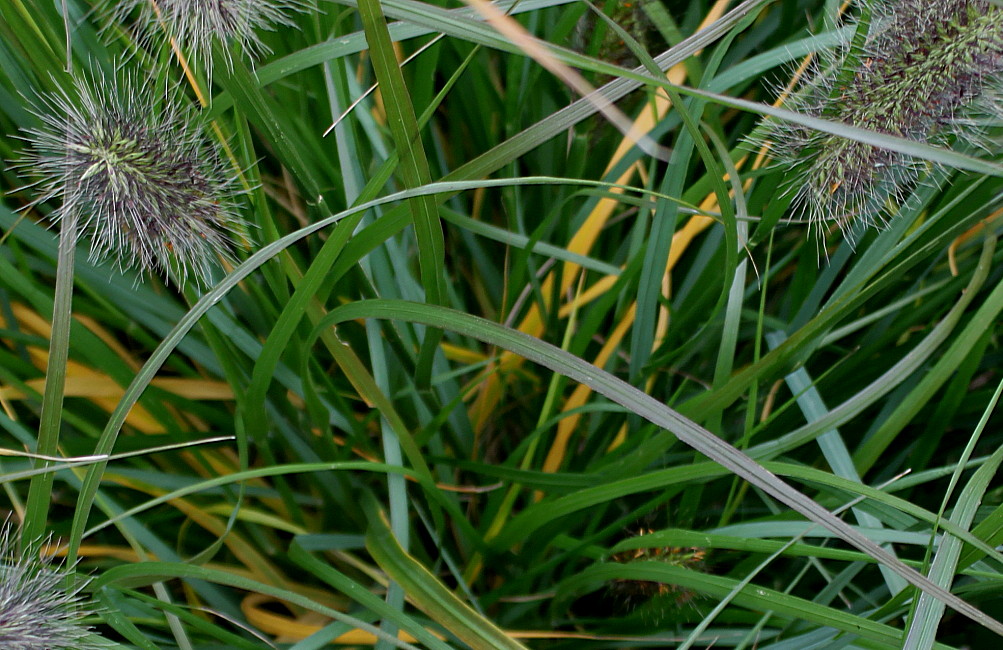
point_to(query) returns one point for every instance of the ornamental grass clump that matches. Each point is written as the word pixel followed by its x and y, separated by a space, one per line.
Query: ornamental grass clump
pixel 37 611
pixel 137 170
pixel 196 25
pixel 925 70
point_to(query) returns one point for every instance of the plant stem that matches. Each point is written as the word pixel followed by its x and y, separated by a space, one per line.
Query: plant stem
pixel 40 489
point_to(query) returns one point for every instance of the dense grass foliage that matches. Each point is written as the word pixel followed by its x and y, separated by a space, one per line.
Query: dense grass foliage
pixel 491 364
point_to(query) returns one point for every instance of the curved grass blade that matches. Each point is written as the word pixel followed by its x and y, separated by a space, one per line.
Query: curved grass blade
pixel 106 441
pixel 654 411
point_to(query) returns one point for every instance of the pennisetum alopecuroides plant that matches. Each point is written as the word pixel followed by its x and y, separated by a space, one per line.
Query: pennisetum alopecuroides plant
pixel 925 70
pixel 37 607
pixel 131 167
pixel 195 27
pixel 138 169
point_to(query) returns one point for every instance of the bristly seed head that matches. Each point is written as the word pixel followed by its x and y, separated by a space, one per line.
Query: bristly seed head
pixel 36 609
pixel 138 171
pixel 927 71
pixel 196 24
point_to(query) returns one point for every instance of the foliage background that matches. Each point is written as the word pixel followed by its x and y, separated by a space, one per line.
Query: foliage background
pixel 395 474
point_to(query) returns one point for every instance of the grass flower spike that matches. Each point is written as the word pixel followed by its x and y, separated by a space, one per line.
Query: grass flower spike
pixel 919 69
pixel 36 610
pixel 194 25
pixel 147 184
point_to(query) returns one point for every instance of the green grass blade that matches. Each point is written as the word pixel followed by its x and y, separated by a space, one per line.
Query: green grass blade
pixel 413 168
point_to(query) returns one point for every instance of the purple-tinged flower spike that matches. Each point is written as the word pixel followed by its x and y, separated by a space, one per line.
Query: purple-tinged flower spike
pixel 135 166
pixel 195 25
pixel 36 610
pixel 926 70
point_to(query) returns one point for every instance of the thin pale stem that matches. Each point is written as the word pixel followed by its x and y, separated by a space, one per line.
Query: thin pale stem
pixel 40 489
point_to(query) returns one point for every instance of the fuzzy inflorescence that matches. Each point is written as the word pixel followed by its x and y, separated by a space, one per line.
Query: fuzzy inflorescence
pixel 136 170
pixel 195 25
pixel 926 70
pixel 36 609
pixel 637 591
